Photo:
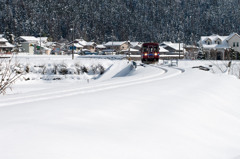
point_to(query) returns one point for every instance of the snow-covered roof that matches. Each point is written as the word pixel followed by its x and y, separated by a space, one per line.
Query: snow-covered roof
pixel 101 47
pixel 1 35
pixel 131 50
pixel 213 38
pixel 161 49
pixel 29 38
pixel 115 43
pixel 84 43
pixel 7 45
pixel 3 40
pixel 43 39
pixel 134 44
pixel 77 45
pixel 50 44
pixel 166 43
pixel 86 50
pixel 175 46
pixel 89 43
pixel 214 45
pixel 81 42
pixel 191 46
pixel 108 50
pixel 230 36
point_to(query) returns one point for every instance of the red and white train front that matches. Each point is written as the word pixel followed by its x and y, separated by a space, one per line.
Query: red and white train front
pixel 150 52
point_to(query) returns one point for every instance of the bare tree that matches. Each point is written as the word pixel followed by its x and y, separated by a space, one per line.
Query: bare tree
pixel 9 73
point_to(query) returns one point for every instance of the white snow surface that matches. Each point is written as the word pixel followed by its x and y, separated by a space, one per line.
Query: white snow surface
pixel 151 112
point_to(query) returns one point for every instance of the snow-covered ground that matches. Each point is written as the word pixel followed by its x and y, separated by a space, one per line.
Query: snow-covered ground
pixel 153 111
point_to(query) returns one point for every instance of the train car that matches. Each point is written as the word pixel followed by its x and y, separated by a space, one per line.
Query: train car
pixel 150 52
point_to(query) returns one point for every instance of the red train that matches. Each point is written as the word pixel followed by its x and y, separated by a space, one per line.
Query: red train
pixel 150 52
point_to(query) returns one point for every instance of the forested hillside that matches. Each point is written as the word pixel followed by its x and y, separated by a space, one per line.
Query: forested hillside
pixel 135 20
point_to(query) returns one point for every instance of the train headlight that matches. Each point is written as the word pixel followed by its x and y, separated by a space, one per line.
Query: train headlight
pixel 156 54
pixel 145 54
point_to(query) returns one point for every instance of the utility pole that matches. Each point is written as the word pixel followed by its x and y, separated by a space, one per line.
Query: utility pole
pixel 40 40
pixel 112 42
pixel 179 49
pixel 72 43
pixel 129 52
pixel 179 45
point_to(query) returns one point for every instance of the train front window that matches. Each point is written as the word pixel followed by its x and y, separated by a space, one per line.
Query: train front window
pixel 145 49
pixel 153 49
pixel 150 49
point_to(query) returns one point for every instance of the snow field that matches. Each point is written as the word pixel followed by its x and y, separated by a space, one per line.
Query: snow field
pixel 153 112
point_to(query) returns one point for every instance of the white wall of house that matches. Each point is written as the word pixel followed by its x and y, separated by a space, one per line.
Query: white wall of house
pixel 234 42
pixel 28 48
pixel 124 46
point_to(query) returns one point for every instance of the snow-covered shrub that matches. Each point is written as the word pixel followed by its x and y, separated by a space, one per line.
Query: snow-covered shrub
pixel 93 69
pixel 84 69
pixel 78 68
pixel 101 69
pixel 42 69
pixel 60 70
pixel 97 69
pixel 72 70
pixel 63 69
pixel 27 68
pixel 55 69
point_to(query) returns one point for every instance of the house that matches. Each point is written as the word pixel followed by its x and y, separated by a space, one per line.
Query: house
pixel 219 47
pixel 117 46
pixel 27 43
pixel 100 48
pixel 42 47
pixel 163 51
pixel 191 52
pixel 174 49
pixel 5 46
pixel 77 48
pixel 132 51
pixel 136 45
pixel 91 46
pixel 43 40
pixel 57 48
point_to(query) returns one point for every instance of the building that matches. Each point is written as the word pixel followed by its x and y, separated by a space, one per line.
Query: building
pixel 117 46
pixel 57 48
pixel 174 50
pixel 191 52
pixel 5 46
pixel 91 46
pixel 77 48
pixel 27 43
pixel 43 46
pixel 131 51
pixel 100 48
pixel 217 47
pixel 136 45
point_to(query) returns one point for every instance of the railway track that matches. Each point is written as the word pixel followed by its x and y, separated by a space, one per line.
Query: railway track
pixel 168 72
